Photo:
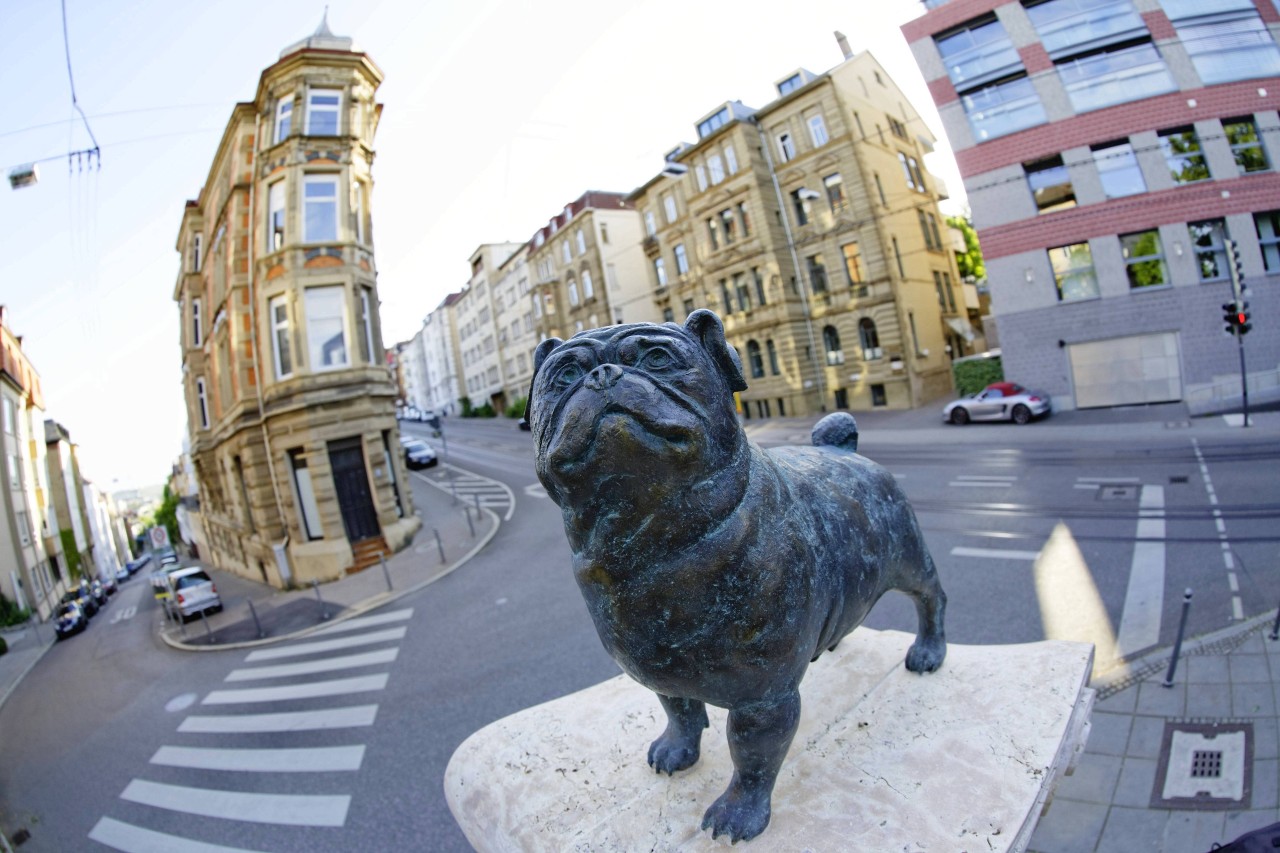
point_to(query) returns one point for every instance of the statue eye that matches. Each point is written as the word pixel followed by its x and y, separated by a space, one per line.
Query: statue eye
pixel 657 359
pixel 569 374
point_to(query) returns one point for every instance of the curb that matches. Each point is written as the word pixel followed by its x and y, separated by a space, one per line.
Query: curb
pixel 355 610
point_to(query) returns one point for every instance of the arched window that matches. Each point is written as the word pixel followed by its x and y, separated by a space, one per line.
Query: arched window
pixel 831 343
pixel 588 288
pixel 773 357
pixel 573 292
pixel 869 338
pixel 753 356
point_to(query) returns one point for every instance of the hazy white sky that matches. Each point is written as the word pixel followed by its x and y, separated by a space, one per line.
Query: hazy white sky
pixel 496 115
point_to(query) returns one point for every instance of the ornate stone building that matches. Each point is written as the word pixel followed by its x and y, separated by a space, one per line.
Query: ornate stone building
pixel 291 408
pixel 811 227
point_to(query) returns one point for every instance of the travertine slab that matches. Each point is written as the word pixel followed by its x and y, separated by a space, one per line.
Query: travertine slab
pixel 884 760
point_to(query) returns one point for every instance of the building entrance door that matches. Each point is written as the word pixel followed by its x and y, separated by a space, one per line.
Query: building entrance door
pixel 351 483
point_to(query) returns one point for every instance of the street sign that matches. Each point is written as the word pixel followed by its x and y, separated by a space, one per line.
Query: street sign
pixel 159 536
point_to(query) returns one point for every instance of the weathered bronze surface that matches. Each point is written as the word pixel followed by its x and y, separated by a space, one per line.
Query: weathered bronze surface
pixel 715 571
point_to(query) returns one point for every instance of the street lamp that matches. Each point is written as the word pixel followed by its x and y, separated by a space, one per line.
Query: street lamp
pixel 806 194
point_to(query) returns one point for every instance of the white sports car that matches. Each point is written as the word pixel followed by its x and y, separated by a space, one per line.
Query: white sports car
pixel 999 401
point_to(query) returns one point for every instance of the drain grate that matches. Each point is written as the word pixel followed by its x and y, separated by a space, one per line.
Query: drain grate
pixel 1204 766
pixel 1178 478
pixel 1118 493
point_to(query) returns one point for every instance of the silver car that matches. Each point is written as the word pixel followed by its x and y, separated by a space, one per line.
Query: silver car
pixel 193 592
pixel 999 401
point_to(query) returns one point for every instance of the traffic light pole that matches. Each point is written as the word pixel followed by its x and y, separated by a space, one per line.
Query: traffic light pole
pixel 1240 325
pixel 1244 379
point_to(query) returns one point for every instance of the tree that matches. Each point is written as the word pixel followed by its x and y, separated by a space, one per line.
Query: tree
pixel 970 260
pixel 167 514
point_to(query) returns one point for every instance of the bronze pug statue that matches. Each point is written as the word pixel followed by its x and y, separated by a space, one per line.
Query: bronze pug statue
pixel 716 571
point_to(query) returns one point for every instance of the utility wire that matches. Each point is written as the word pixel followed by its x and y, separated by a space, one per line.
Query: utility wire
pixel 66 45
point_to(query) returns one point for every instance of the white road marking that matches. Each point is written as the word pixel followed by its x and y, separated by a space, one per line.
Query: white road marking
pixel 466 483
pixel 1144 598
pixel 135 839
pixel 310 690
pixel 287 809
pixel 122 615
pixel 299 721
pixel 321 759
pixel 1228 559
pixel 326 645
pixel 312 667
pixel 994 553
pixel 364 622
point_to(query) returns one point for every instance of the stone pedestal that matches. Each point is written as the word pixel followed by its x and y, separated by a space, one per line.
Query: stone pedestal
pixel 884 760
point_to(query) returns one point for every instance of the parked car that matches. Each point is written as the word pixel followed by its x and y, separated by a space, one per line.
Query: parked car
pixel 122 573
pixel 135 566
pixel 193 592
pixel 83 598
pixel 99 594
pixel 108 582
pixel 999 401
pixel 69 619
pixel 418 454
pixel 167 556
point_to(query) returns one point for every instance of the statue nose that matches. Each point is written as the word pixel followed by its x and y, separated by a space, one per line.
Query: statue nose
pixel 603 377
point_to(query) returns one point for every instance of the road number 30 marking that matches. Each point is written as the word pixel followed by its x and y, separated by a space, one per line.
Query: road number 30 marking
pixel 121 615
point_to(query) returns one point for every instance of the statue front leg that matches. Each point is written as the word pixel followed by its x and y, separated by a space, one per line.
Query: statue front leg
pixel 678 747
pixel 759 736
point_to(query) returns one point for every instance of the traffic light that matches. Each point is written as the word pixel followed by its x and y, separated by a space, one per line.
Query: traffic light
pixel 1230 316
pixel 1242 319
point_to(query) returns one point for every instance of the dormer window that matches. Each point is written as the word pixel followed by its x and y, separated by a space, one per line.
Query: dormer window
pixel 795 81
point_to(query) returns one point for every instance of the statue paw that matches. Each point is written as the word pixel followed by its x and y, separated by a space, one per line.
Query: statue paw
pixel 926 655
pixel 670 754
pixel 738 815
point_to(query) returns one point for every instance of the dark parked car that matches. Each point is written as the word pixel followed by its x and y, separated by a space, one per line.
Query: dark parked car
pixel 83 598
pixel 999 401
pixel 418 454
pixel 69 619
pixel 99 594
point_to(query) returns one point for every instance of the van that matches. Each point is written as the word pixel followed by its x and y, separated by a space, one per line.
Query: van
pixel 193 592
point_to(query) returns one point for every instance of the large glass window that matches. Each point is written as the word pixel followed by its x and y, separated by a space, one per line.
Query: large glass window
pixel 1003 108
pixel 1070 26
pixel 308 512
pixel 1073 272
pixel 320 209
pixel 1118 169
pixel 326 327
pixel 1144 259
pixel 1050 184
pixel 1242 133
pixel 870 339
pixel 755 359
pixel 284 117
pixel 1230 45
pixel 1114 76
pixel 835 193
pixel 852 263
pixel 831 345
pixel 1267 225
pixel 817 131
pixel 323 109
pixel 682 259
pixel 1211 255
pixel 275 216
pixel 1182 152
pixel 786 147
pixel 281 339
pixel 817 273
pixel 716 167
pixel 981 51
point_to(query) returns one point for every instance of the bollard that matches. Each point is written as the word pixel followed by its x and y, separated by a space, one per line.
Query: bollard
pixel 453 487
pixel 383 560
pixel 254 612
pixel 466 510
pixel 1275 627
pixel 477 499
pixel 207 630
pixel 439 544
pixel 324 609
pixel 1177 643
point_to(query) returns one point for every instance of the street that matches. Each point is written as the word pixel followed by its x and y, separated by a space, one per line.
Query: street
pixel 340 740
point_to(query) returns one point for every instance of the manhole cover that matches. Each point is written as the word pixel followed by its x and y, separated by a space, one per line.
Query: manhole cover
pixel 1204 766
pixel 1118 493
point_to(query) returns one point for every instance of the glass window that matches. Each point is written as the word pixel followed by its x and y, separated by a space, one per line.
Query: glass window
pixel 1118 169
pixel 817 273
pixel 284 117
pixel 755 359
pixel 1073 272
pixel 275 216
pixel 924 229
pixel 1003 108
pixel 818 131
pixel 669 205
pixel 728 224
pixel 360 208
pixel 731 159
pixel 744 219
pixel 202 401
pixel 566 253
pixel 1211 255
pixel 660 269
pixel 1182 152
pixel 716 167
pixel 196 325
pixel 1229 46
pixel 801 207
pixel 1067 26
pixel 980 52
pixel 281 340
pixel 743 290
pixel 326 312
pixel 831 345
pixel 1144 259
pixel 759 280
pixel 870 339
pixel 588 286
pixel 773 357
pixel 852 262
pixel 1050 184
pixel 197 257
pixel 1242 133
pixel 682 259
pixel 701 175
pixel 323 108
pixel 726 295
pixel 1267 224
pixel 320 209
pixel 835 193
pixel 1115 76
pixel 786 147
pixel 10 419
pixel 573 293
pixel 713 233
pixel 650 224
pixel 366 324
pixel 581 242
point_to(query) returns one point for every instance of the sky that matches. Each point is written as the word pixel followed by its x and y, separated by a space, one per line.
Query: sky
pixel 496 115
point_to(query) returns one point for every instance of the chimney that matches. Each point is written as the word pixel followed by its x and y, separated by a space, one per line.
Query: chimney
pixel 844 45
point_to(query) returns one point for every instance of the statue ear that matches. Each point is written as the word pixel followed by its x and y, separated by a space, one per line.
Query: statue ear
pixel 707 329
pixel 539 355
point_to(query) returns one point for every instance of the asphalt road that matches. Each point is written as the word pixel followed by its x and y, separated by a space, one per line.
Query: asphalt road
pixel 1036 531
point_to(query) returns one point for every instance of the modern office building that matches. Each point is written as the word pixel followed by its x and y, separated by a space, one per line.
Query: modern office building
pixel 1110 150
pixel 291 407
pixel 811 226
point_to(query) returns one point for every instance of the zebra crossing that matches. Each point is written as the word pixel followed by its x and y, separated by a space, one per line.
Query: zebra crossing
pixel 470 488
pixel 321 659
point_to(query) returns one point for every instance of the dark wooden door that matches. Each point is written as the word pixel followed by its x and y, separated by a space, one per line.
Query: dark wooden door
pixel 351 482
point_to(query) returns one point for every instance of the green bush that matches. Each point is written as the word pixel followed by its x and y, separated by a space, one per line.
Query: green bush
pixel 12 614
pixel 972 375
pixel 485 411
pixel 516 409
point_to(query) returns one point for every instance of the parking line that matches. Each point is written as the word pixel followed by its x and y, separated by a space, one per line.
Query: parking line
pixel 320 759
pixel 312 667
pixel 135 839
pixel 287 809
pixel 297 721
pixel 326 645
pixel 310 690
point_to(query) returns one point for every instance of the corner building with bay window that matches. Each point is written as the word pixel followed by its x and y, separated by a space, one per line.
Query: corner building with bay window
pixel 291 408
pixel 1109 148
